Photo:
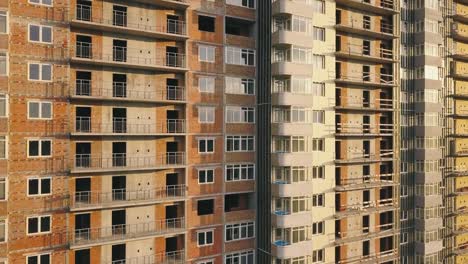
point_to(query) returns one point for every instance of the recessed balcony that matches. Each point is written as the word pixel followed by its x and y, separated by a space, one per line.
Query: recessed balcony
pixel 112 234
pixel 174 257
pixel 364 182
pixel 123 197
pixel 385 30
pixel 348 236
pixel 160 60
pixel 85 163
pixel 115 91
pixel 378 257
pixel 345 210
pixel 364 157
pixel 367 79
pixel 363 130
pixel 363 53
pixel 121 22
pixel 85 126
pixel 364 104
pixel 381 7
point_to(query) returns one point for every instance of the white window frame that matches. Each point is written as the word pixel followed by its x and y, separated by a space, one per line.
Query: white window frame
pixel 233 56
pixel 40 34
pixel 4 138
pixel 239 255
pixel 4 97
pixel 39 148
pixel 41 65
pixel 40 193
pixel 206 231
pixel 238 85
pixel 41 3
pixel 40 232
pixel 239 3
pixel 242 172
pixel 39 257
pixel 206 139
pixel 209 84
pixel 40 110
pixel 209 52
pixel 5 181
pixel 7 68
pixel 5 13
pixel 238 114
pixel 205 112
pixel 237 228
pixel 207 261
pixel 240 138
pixel 212 170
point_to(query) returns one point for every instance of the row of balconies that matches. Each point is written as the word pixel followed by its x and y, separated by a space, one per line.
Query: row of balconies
pixel 366 78
pixel 347 129
pixel 109 234
pixel 91 199
pixel 172 257
pixel 365 53
pixel 125 91
pixel 345 210
pixel 343 237
pixel 130 57
pixel 125 126
pixel 121 161
pixel 378 257
pixel 365 182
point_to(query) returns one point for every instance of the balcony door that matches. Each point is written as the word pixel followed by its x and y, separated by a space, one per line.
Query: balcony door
pixel 119 120
pixel 119 154
pixel 171 121
pixel 84 47
pixel 83 119
pixel 171 152
pixel 172 89
pixel 119 253
pixel 83 190
pixel 119 222
pixel 172 24
pixel 82 226
pixel 119 50
pixel 119 85
pixel 119 16
pixel 83 154
pixel 171 245
pixel 119 188
pixel 83 83
pixel 171 56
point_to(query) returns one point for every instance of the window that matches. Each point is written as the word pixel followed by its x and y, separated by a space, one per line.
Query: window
pixel 318 172
pixel 206 53
pixel 206 84
pixel 318 117
pixel 244 3
pixel 39 186
pixel 40 72
pixel 318 200
pixel 237 114
pixel 206 145
pixel 239 56
pixel 205 207
pixel 318 89
pixel 3 22
pixel 39 110
pixel 240 172
pixel 240 231
pixel 206 114
pixel 318 144
pixel 239 143
pixel 39 33
pixel 206 23
pixel 318 61
pixel 38 224
pixel 3 64
pixel 205 176
pixel 39 259
pixel 3 147
pixel 318 228
pixel 3 189
pixel 40 148
pixel 3 231
pixel 319 33
pixel 245 257
pixel 205 238
pixel 319 6
pixel 3 105
pixel 240 86
pixel 41 2
pixel 318 255
pixel 404 238
pixel 211 261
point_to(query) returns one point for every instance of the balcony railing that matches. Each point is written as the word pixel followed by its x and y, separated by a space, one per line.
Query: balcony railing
pixel 359 102
pixel 126 90
pixel 384 79
pixel 174 257
pixel 361 156
pixel 120 19
pixel 86 125
pixel 363 129
pixel 127 231
pixel 84 50
pixel 365 231
pixel 385 27
pixel 86 162
pixel 122 196
pixel 343 208
pixel 365 180
pixel 364 52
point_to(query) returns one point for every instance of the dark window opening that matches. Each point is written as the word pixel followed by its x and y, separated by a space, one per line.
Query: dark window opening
pixel 205 207
pixel 239 27
pixel 206 23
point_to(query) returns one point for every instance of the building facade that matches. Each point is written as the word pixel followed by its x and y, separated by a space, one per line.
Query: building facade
pixel 233 131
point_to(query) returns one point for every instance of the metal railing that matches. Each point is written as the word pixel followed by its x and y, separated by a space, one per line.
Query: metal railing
pixel 173 257
pixel 129 126
pixel 363 231
pixel 385 27
pixel 387 178
pixel 352 101
pixel 382 78
pixel 365 205
pixel 83 162
pixel 125 55
pixel 127 231
pixel 360 129
pixel 364 51
pixel 120 19
pixel 118 196
pixel 127 90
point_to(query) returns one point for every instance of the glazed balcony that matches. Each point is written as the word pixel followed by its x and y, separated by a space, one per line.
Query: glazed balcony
pixel 292 61
pixel 359 130
pixel 365 182
pixel 124 197
pixel 349 236
pixel 382 7
pixel 285 32
pixel 283 218
pixel 364 53
pixel 285 189
pixel 362 104
pixel 174 257
pixel 284 249
pixel 128 57
pixel 111 234
pixel 385 29
pixel 119 91
pixel 345 210
pixel 119 22
pixel 85 126
pixel 297 7
pixel 85 163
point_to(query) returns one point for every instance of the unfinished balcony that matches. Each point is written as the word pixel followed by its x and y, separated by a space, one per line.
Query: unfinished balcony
pixel 125 232
pixel 292 30
pixel 89 200
pixel 364 182
pixel 364 130
pixel 364 104
pixel 384 256
pixel 381 7
pixel 85 126
pixel 461 128
pixel 122 19
pixel 460 12
pixel 346 210
pixel 162 60
pixel 380 29
pixel 365 79
pixel 292 60
pixel 349 236
pixel 171 257
pixel 292 242
pixel 297 7
pixel 363 156
pixel 365 52
pixel 117 162
pixel 122 91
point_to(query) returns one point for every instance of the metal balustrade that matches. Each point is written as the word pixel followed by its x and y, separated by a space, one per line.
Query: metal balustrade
pixel 120 19
pixel 127 231
pixel 85 162
pixel 84 50
pixel 121 196
pixel 362 129
pixel 86 125
pixel 173 257
pixel 128 91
